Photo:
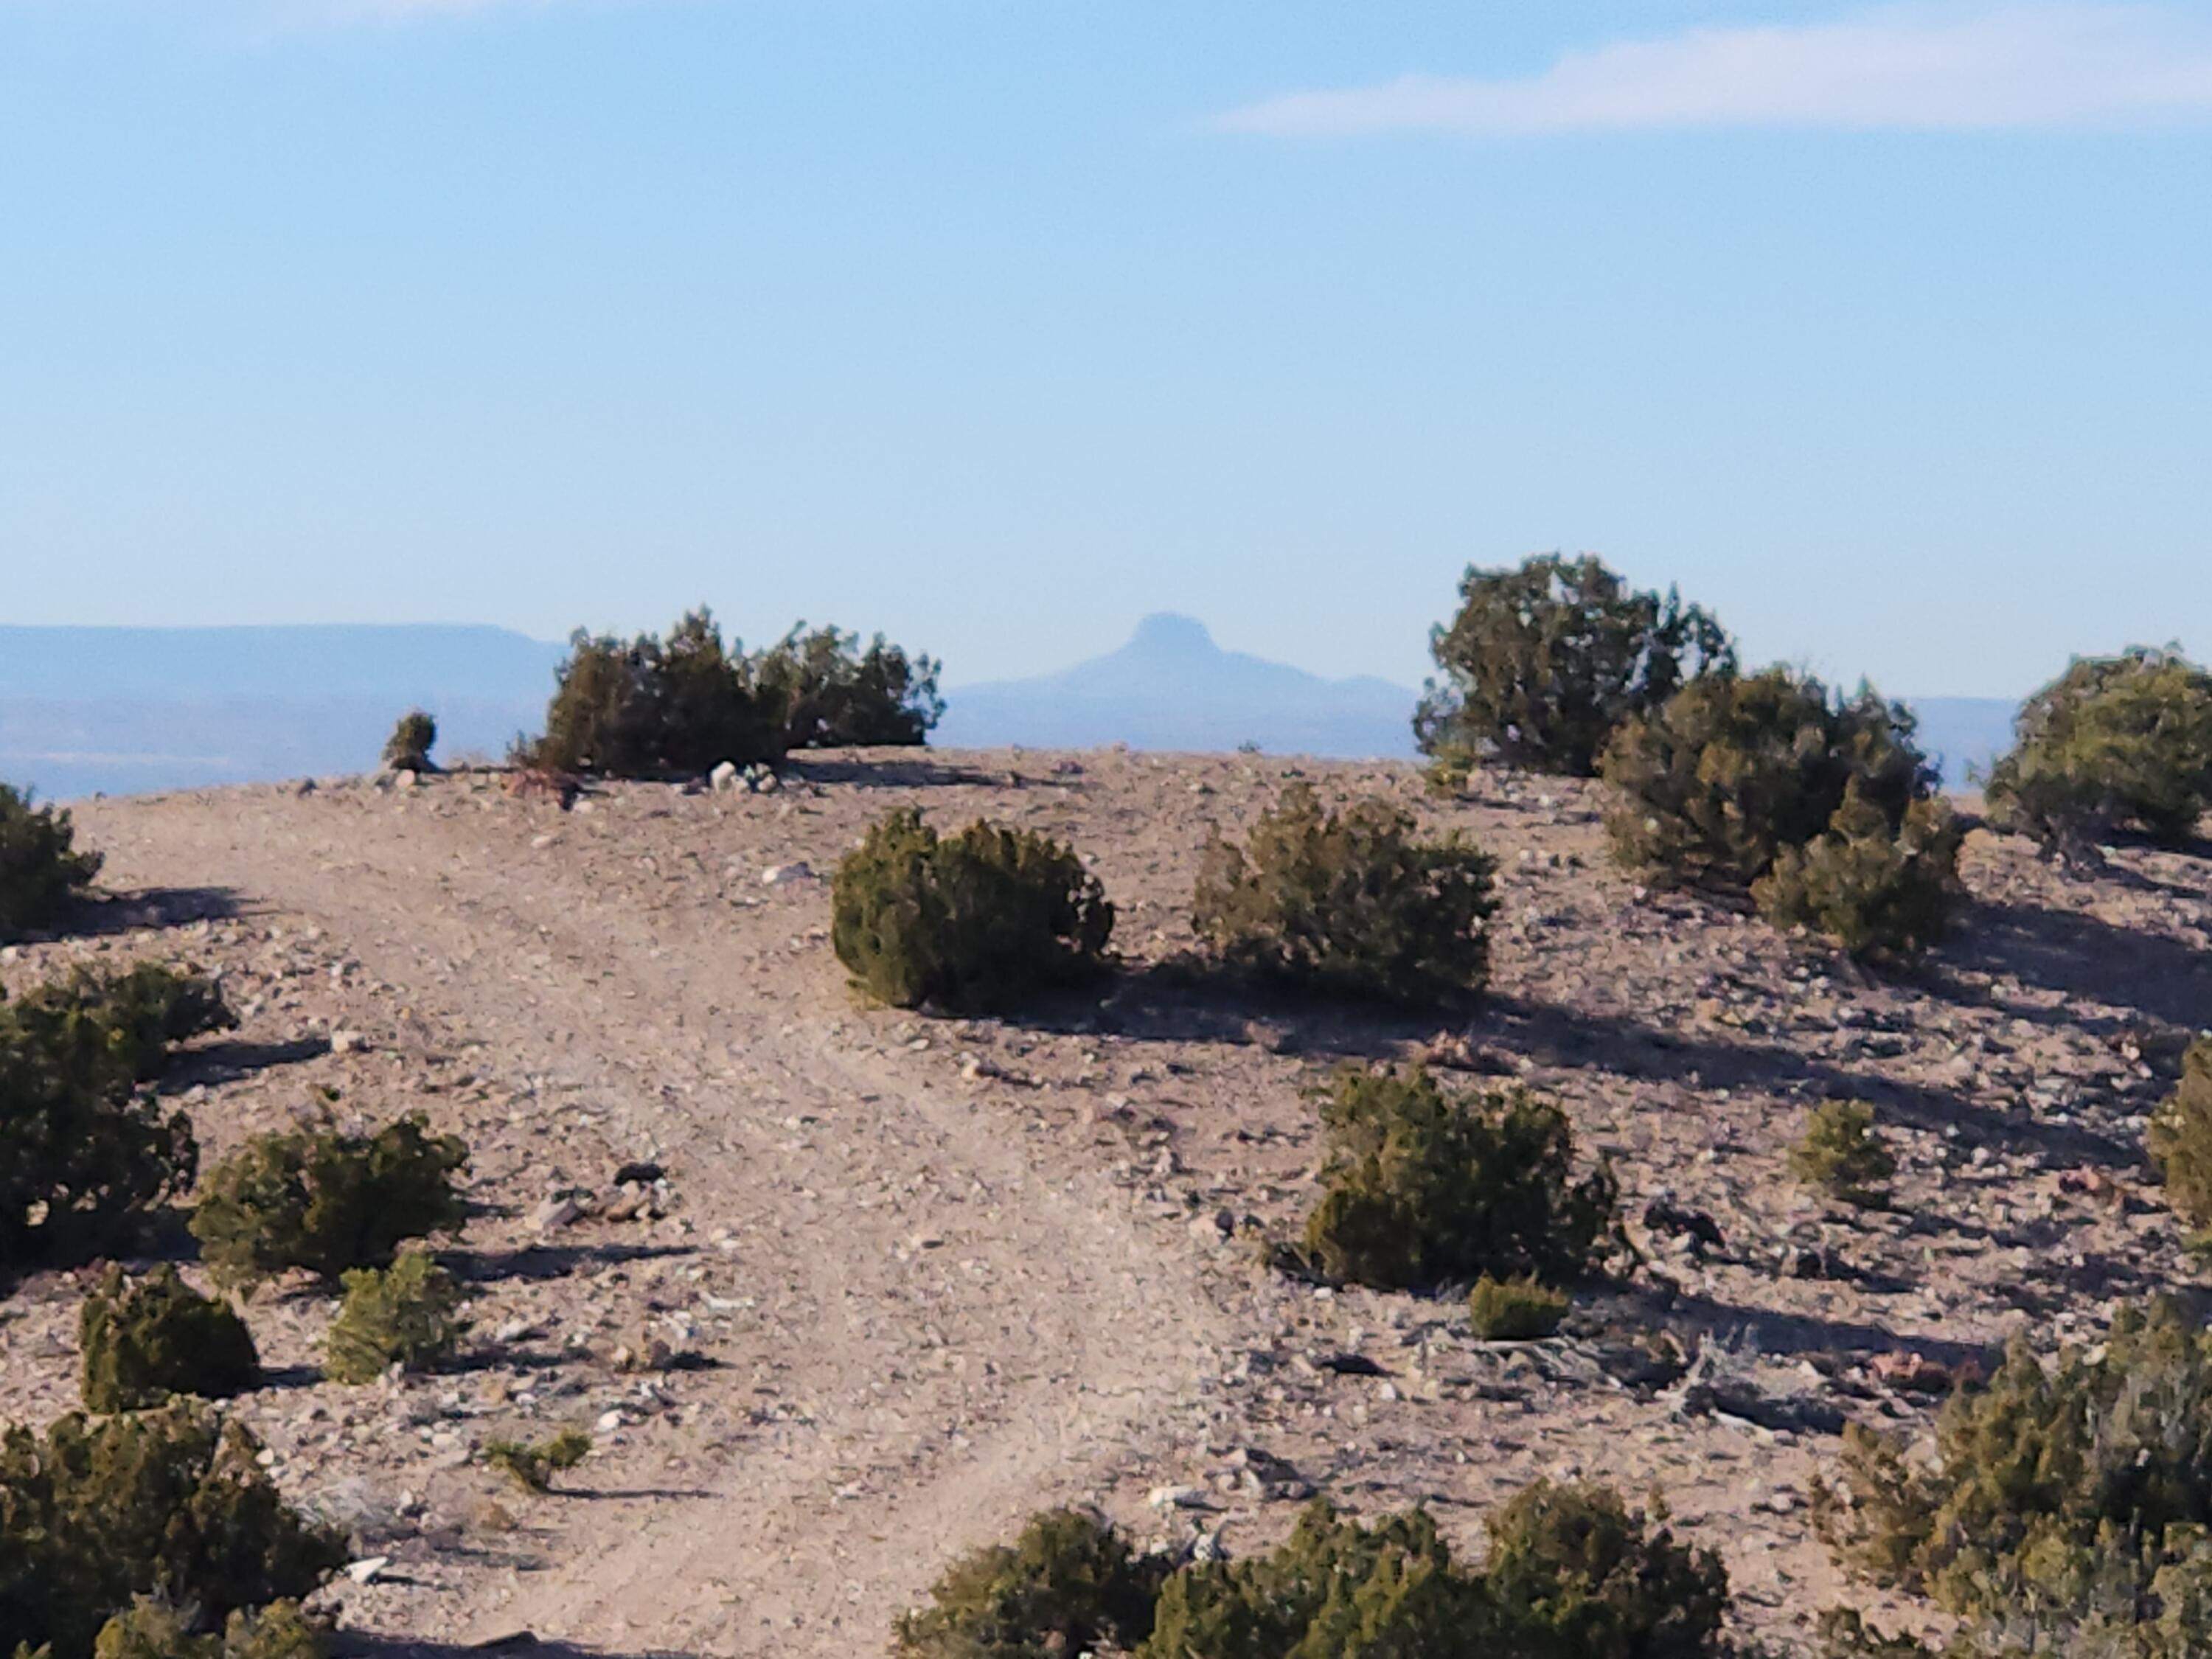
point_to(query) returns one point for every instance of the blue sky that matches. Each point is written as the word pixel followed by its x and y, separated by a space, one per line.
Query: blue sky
pixel 1886 332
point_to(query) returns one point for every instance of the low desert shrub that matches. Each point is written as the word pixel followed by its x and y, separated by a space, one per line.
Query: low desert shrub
pixel 2062 1500
pixel 1873 889
pixel 1544 663
pixel 1420 1187
pixel 1350 902
pixel 1820 808
pixel 531 1464
pixel 653 708
pixel 1514 1309
pixel 141 1013
pixel 327 1201
pixel 84 1153
pixel 407 1314
pixel 1734 768
pixel 40 868
pixel 1574 1573
pixel 830 694
pixel 2115 743
pixel 972 922
pixel 155 1630
pixel 408 748
pixel 2179 1138
pixel 1065 1584
pixel 170 1505
pixel 142 1342
pixel 1845 1155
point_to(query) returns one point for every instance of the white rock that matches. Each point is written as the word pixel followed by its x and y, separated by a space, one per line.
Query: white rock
pixel 724 777
pixel 784 875
pixel 365 1570
pixel 348 1042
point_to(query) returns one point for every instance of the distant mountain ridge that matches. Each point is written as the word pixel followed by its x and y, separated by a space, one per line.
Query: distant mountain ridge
pixel 125 710
pixel 1171 687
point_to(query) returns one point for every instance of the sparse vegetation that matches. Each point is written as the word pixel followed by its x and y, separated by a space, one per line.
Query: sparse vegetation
pixel 407 1314
pixel 972 922
pixel 155 1630
pixel 2113 744
pixel 1514 1309
pixel 139 1015
pixel 833 695
pixel 653 708
pixel 2062 1503
pixel 408 748
pixel 1572 1574
pixel 531 1464
pixel 170 1505
pixel 2179 1138
pixel 650 708
pixel 1542 664
pixel 1845 1155
pixel 1873 888
pixel 143 1342
pixel 1350 902
pixel 327 1201
pixel 40 868
pixel 1420 1188
pixel 83 1152
pixel 1821 809
pixel 1065 1584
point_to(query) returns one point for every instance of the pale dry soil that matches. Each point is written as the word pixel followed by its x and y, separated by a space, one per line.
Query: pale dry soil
pixel 906 1280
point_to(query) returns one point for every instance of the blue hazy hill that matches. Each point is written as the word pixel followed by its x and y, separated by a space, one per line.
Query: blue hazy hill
pixel 1171 687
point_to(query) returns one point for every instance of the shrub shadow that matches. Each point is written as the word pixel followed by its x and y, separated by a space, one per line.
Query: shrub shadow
pixel 2085 959
pixel 1185 999
pixel 918 774
pixel 1568 1037
pixel 539 1262
pixel 227 1060
pixel 522 1644
pixel 110 914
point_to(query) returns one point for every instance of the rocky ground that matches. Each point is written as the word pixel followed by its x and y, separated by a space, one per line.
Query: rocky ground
pixel 840 1292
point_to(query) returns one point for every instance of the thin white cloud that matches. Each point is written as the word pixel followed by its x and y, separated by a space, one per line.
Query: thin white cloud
pixel 2015 67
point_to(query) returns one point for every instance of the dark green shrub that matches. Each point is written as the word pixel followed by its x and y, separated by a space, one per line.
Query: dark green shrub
pixel 1735 769
pixel 531 1465
pixel 1873 889
pixel 1544 663
pixel 1514 1309
pixel 1065 1584
pixel 1332 1587
pixel 2115 743
pixel 83 1153
pixel 1349 902
pixel 408 748
pixel 1572 1574
pixel 407 1314
pixel 1421 1187
pixel 168 1505
pixel 327 1201
pixel 2179 1138
pixel 1845 1155
pixel 832 695
pixel 646 709
pixel 40 869
pixel 2066 1498
pixel 140 1013
pixel 153 1630
pixel 1575 1573
pixel 974 922
pixel 143 1342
